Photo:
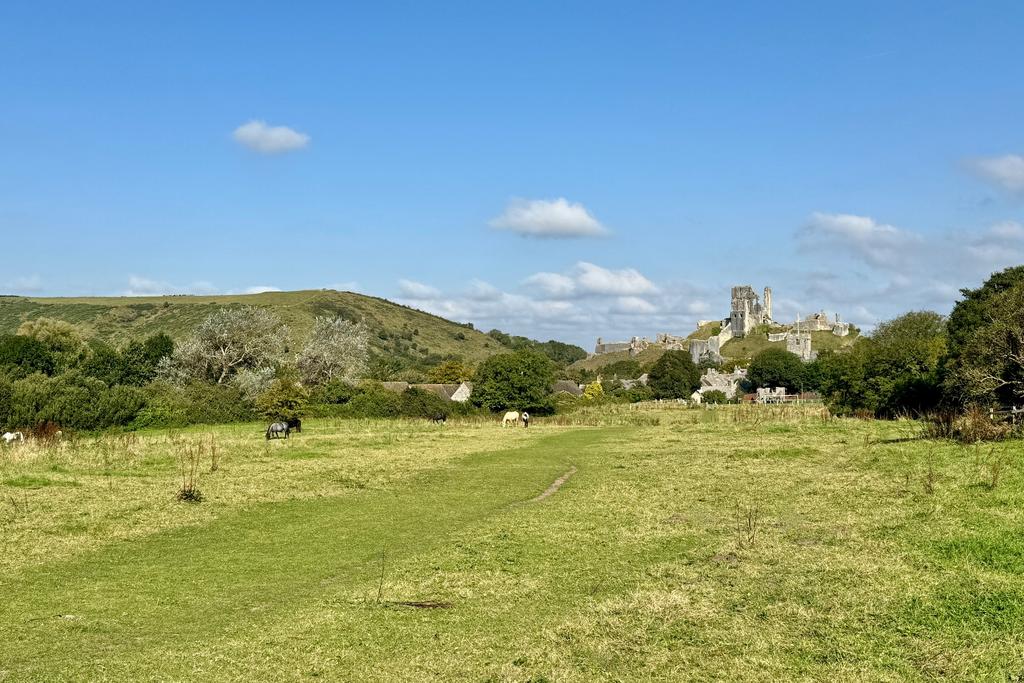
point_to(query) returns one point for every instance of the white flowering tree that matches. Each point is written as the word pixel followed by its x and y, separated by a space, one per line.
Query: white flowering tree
pixel 228 342
pixel 336 349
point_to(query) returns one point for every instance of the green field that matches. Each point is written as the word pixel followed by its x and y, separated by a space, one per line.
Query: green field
pixel 393 328
pixel 745 543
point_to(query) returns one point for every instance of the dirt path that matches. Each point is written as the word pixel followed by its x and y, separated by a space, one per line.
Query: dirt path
pixel 555 485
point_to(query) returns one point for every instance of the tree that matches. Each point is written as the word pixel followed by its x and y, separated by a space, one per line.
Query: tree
pixel 22 356
pixel 285 399
pixel 990 367
pixel 775 367
pixel 903 360
pixel 226 342
pixel 674 375
pixel 975 309
pixel 622 369
pixel 450 372
pixel 593 392
pixel 61 338
pixel 516 381
pixel 336 349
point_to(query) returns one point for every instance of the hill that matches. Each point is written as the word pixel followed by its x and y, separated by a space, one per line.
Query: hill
pixel 395 329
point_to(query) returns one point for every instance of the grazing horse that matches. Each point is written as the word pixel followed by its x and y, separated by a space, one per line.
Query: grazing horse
pixel 276 429
pixel 295 424
pixel 511 418
pixel 440 418
pixel 8 437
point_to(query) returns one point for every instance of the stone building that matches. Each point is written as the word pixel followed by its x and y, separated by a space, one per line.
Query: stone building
pixel 747 310
pixel 726 382
pixel 634 346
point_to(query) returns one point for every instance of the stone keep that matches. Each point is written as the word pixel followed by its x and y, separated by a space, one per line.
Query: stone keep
pixel 747 311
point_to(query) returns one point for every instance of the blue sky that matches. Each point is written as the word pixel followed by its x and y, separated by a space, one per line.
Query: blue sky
pixel 567 170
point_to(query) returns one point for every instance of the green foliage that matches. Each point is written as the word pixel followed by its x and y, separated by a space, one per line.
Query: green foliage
pixel 285 399
pixel 373 400
pixel 560 353
pixel 21 356
pixel 714 396
pixel 622 369
pixel 974 310
pixel 894 371
pixel 62 339
pixel 593 392
pixel 199 403
pixel 515 381
pixel 450 372
pixel 674 375
pixel 776 368
pixel 335 392
pixel 73 401
pixel 420 403
pixel 989 369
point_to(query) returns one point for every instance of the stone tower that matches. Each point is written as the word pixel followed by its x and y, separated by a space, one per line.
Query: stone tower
pixel 767 304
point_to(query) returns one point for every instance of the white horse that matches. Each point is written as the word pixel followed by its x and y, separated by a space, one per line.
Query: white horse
pixel 511 418
pixel 8 437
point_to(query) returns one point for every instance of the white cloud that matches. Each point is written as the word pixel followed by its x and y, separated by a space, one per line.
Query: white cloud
pixel 260 289
pixel 597 280
pixel 483 291
pixel 1005 171
pixel 548 218
pixel 142 286
pixel 417 291
pixel 258 136
pixel 552 284
pixel 27 284
pixel 633 305
pixel 878 244
pixel 1001 244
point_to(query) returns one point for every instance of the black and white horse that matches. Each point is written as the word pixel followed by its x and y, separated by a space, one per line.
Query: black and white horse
pixel 277 429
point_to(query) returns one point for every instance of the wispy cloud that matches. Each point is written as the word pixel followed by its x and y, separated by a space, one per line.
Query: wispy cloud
pixel 143 286
pixel 26 284
pixel 417 291
pixel 258 136
pixel 1006 171
pixel 878 244
pixel 551 218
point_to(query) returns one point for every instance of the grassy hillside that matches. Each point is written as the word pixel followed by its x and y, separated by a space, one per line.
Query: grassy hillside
pixel 646 357
pixel 394 328
pixel 753 344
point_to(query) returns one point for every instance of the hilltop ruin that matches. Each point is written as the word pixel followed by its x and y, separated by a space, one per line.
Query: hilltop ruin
pixel 747 313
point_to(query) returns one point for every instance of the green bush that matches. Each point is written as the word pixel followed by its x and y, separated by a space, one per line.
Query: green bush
pixel 73 401
pixel 374 400
pixel 714 396
pixel 200 403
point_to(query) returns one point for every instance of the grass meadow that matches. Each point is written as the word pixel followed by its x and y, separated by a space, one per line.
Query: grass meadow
pixel 740 543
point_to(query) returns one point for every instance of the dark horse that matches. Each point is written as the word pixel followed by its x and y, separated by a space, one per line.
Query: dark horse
pixel 295 424
pixel 276 429
pixel 439 418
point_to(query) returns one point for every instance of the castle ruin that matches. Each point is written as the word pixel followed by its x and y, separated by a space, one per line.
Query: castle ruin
pixel 747 312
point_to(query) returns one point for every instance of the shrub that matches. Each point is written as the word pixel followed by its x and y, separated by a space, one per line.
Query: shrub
pixel 374 400
pixel 714 396
pixel 593 392
pixel 285 399
pixel 200 403
pixel 420 403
